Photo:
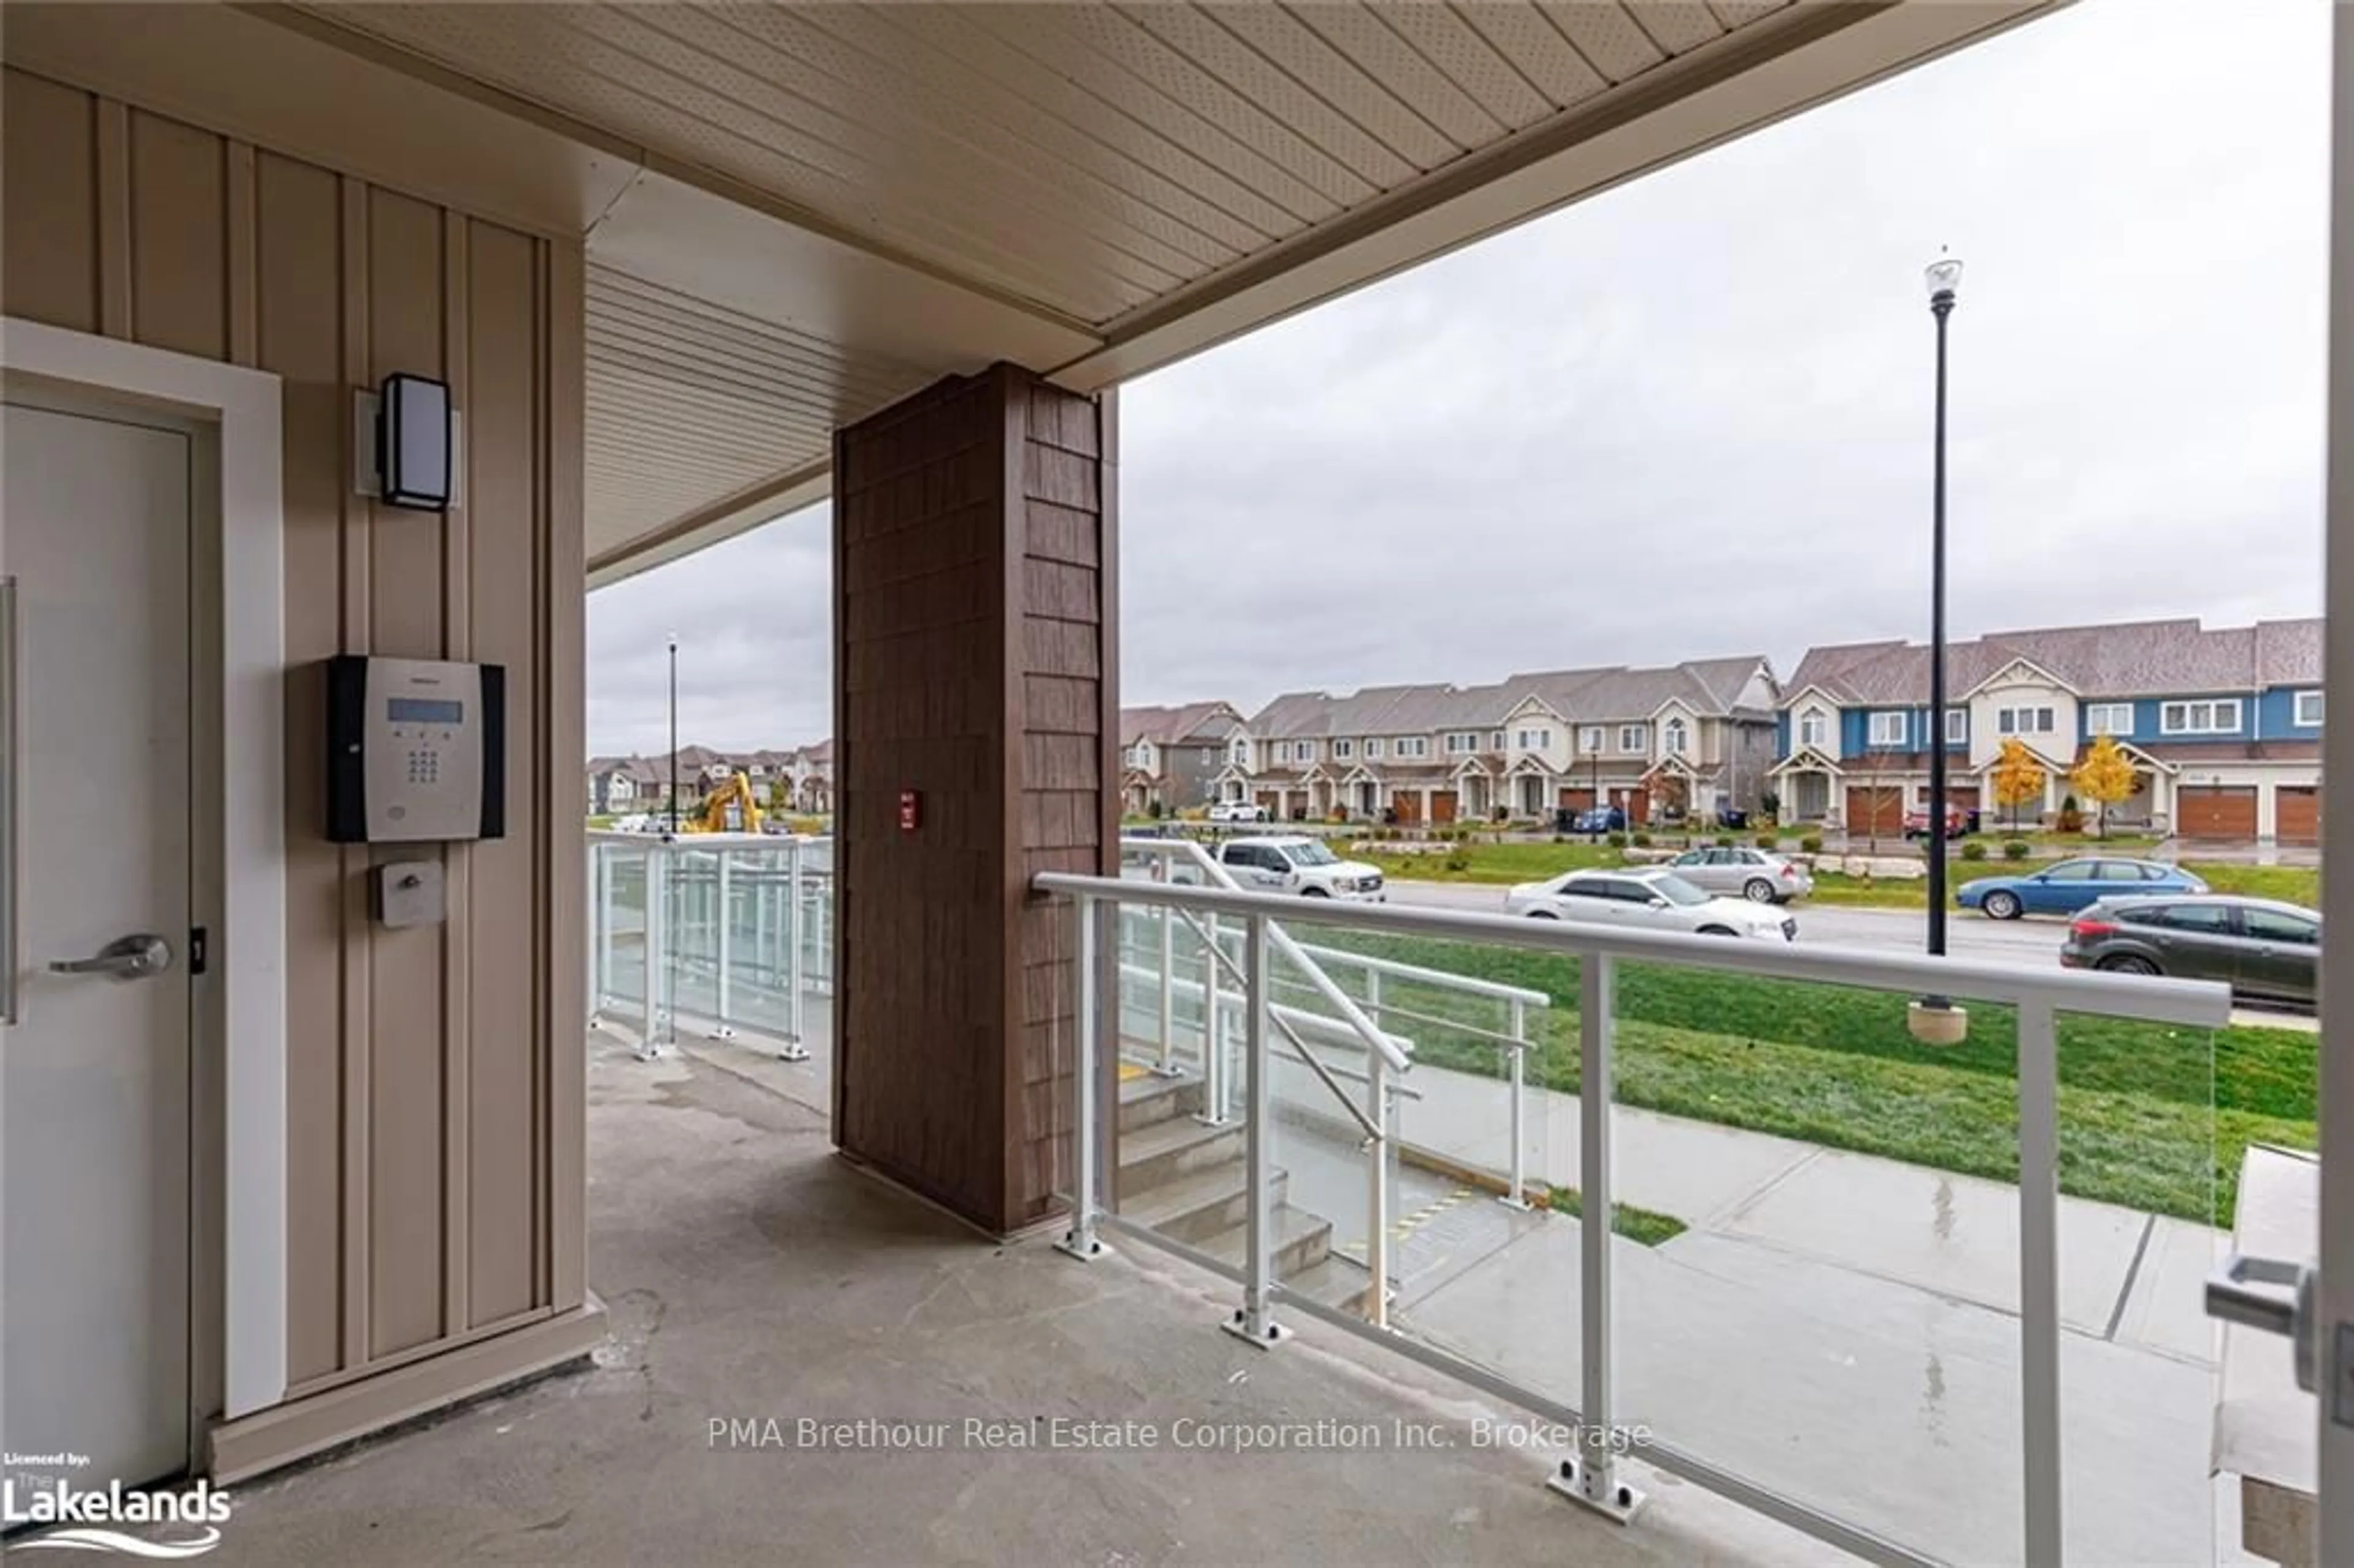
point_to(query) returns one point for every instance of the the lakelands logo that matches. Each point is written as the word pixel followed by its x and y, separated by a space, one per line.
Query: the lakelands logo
pixel 85 1515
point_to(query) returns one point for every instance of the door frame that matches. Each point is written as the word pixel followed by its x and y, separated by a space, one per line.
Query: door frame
pixel 2334 1294
pixel 238 836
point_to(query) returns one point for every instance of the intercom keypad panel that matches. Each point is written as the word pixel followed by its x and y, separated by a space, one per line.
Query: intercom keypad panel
pixel 415 750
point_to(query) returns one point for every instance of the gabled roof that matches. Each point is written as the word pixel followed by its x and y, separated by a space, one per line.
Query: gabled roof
pixel 1709 687
pixel 1205 724
pixel 2148 658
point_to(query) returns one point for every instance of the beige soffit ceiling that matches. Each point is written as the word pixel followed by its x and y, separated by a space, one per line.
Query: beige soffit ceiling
pixel 794 212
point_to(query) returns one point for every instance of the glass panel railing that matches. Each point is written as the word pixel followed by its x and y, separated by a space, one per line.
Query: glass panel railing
pixel 1919 1297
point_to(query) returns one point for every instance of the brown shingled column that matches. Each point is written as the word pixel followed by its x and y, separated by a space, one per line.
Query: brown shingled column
pixel 975 596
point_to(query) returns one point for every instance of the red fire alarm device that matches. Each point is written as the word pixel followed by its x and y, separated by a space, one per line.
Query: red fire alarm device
pixel 909 811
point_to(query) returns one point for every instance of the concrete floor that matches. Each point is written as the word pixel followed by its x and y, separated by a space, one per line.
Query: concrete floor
pixel 752 1275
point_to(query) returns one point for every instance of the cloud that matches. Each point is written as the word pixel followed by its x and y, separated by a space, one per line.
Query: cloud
pixel 1692 416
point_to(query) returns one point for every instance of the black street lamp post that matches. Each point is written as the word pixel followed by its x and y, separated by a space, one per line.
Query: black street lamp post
pixel 674 734
pixel 1944 275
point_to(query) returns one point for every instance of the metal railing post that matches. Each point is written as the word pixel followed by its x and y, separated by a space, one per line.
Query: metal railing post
pixel 721 1029
pixel 1080 1241
pixel 1518 1196
pixel 1377 1205
pixel 1590 1478
pixel 2038 1279
pixel 1254 1320
pixel 655 1040
pixel 796 1045
pixel 1168 978
pixel 600 930
pixel 1214 1030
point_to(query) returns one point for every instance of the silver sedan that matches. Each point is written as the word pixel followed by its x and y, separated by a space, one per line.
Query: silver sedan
pixel 1760 875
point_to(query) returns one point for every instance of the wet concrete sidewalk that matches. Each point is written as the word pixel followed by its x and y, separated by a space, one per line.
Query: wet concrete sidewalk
pixel 1844 1329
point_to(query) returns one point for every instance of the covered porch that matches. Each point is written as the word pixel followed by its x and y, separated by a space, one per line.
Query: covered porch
pixel 680 272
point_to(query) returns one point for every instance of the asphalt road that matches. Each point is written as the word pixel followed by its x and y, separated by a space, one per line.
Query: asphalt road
pixel 2033 941
pixel 1967 935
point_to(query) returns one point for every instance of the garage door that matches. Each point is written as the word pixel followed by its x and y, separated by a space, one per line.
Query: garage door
pixel 2215 811
pixel 1576 800
pixel 1965 796
pixel 2296 814
pixel 1874 811
pixel 1408 804
pixel 1442 805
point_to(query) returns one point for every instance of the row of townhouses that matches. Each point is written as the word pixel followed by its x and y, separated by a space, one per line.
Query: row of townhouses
pixel 2223 728
pixel 1683 738
pixel 801 779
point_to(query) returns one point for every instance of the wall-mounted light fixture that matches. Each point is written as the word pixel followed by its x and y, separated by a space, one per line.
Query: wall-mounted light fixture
pixel 405 444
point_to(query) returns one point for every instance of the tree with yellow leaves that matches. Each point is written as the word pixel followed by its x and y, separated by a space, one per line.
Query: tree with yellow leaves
pixel 2018 777
pixel 2105 775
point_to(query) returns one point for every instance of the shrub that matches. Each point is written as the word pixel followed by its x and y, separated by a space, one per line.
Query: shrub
pixel 1724 840
pixel 1770 803
pixel 1973 849
pixel 1561 838
pixel 1618 841
pixel 1642 840
pixel 1768 841
pixel 1812 843
pixel 2014 849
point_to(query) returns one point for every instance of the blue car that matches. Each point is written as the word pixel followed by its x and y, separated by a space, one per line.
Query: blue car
pixel 2071 885
pixel 1601 819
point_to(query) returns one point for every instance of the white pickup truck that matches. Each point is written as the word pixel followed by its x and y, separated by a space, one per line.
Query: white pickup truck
pixel 1294 863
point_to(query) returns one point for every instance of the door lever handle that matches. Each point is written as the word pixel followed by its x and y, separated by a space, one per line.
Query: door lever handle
pixel 124 958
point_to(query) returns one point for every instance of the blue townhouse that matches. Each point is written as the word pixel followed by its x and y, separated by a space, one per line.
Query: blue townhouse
pixel 2222 726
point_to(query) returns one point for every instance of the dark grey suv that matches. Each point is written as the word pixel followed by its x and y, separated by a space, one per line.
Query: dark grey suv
pixel 2261 949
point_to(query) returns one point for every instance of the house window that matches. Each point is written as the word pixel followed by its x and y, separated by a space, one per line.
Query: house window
pixel 1461 741
pixel 2025 721
pixel 1811 725
pixel 1590 738
pixel 1374 748
pixel 1532 739
pixel 2309 710
pixel 1414 746
pixel 1958 727
pixel 1676 738
pixel 1343 749
pixel 1496 741
pixel 2109 718
pixel 1634 736
pixel 2219 717
pixel 1888 729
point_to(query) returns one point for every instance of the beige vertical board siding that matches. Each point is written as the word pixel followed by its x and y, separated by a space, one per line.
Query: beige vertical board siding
pixel 48 158
pixel 298 327
pixel 435 1087
pixel 502 414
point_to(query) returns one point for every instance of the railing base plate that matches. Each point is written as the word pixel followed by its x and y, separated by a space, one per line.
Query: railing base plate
pixel 1086 1250
pixel 654 1051
pixel 794 1052
pixel 1619 1502
pixel 1265 1337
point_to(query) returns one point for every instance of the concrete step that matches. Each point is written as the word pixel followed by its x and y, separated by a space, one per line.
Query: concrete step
pixel 1302 1241
pixel 1156 1154
pixel 1197 1206
pixel 1335 1281
pixel 1153 1098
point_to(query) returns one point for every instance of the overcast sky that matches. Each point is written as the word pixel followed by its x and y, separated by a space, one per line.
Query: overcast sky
pixel 1691 417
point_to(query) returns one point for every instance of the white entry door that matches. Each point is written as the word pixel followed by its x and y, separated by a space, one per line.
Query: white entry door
pixel 94 875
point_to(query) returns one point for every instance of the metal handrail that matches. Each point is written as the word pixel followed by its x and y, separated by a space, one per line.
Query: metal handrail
pixel 1472 984
pixel 1281 939
pixel 2149 1000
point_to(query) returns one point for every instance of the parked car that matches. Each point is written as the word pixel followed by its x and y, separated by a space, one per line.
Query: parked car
pixel 1654 899
pixel 1297 863
pixel 1238 812
pixel 2071 885
pixel 1760 875
pixel 2264 949
pixel 1959 821
pixel 1602 820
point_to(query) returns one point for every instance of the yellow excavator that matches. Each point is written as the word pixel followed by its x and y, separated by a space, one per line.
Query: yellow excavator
pixel 730 809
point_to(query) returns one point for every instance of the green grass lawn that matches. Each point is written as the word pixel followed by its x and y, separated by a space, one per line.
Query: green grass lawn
pixel 1502 864
pixel 2152 1117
